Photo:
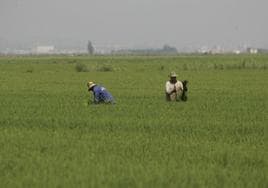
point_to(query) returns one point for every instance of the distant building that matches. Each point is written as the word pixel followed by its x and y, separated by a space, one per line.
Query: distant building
pixel 237 52
pixel 44 49
pixel 252 50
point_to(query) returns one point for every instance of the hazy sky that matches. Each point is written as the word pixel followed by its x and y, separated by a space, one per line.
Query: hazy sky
pixel 181 23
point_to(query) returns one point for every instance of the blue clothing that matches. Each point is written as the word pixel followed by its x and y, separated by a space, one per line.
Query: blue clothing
pixel 102 95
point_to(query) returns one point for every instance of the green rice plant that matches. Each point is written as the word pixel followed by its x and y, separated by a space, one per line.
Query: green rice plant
pixel 80 67
pixel 105 68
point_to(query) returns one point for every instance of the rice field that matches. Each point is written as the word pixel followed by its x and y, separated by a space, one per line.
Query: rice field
pixel 50 137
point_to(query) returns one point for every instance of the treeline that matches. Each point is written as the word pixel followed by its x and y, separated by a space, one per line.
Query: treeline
pixel 166 50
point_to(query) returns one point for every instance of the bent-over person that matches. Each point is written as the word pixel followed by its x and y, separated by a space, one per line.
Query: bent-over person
pixel 101 95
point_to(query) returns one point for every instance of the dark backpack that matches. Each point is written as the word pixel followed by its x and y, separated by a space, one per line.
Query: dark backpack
pixel 185 89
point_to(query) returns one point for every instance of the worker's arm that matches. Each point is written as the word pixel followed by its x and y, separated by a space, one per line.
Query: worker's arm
pixel 96 97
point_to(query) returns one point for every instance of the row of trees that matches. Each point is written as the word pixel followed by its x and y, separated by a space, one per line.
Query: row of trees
pixel 168 50
pixel 165 50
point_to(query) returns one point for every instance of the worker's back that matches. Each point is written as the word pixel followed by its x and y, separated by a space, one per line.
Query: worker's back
pixel 102 95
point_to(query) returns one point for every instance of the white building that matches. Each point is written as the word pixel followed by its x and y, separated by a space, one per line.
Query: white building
pixel 237 52
pixel 44 49
pixel 253 51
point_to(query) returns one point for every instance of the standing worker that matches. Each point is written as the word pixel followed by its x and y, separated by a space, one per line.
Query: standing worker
pixel 101 95
pixel 175 90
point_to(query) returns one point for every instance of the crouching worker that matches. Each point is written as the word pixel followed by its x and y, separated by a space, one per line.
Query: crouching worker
pixel 101 95
pixel 176 90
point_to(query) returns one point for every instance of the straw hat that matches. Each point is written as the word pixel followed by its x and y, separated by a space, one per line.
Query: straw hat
pixel 90 84
pixel 173 74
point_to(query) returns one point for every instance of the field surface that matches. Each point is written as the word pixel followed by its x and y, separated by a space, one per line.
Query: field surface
pixel 50 137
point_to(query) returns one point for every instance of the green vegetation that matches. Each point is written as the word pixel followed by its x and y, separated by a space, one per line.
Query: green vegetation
pixel 49 137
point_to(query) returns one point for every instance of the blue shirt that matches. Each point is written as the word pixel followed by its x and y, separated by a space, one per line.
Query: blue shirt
pixel 102 95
